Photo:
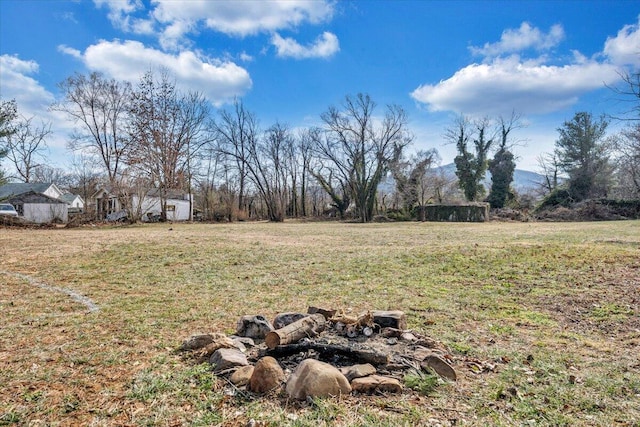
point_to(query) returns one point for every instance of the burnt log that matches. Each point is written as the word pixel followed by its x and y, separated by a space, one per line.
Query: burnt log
pixel 306 327
pixel 390 319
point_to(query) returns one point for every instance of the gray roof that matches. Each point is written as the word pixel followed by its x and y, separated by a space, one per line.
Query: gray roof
pixel 69 197
pixel 33 197
pixel 17 188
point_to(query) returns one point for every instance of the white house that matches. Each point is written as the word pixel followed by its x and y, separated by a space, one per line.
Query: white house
pixel 36 202
pixel 179 205
pixel 74 201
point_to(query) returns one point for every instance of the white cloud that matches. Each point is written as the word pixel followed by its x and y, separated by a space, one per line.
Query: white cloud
pixel 323 47
pixel 511 84
pixel 506 81
pixel 624 49
pixel 17 82
pixel 245 57
pixel 520 39
pixel 174 20
pixel 240 18
pixel 219 81
pixel 70 51
pixel 120 14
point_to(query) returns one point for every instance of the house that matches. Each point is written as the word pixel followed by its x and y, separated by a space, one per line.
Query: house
pixel 15 188
pixel 36 202
pixel 106 203
pixel 179 205
pixel 74 201
pixel 40 208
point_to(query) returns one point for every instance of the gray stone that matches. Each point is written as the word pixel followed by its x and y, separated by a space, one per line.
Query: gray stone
pixel 256 327
pixel 242 376
pixel 284 319
pixel 267 375
pixel 196 342
pixel 227 358
pixel 313 378
pixel 440 366
pixel 246 341
pixel 358 371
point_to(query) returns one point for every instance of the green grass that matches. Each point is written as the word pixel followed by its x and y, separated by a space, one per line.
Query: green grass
pixel 541 319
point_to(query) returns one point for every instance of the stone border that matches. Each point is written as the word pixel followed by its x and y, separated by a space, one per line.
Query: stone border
pixel 91 306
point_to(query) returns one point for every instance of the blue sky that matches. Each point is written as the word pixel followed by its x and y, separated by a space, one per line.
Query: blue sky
pixel 290 60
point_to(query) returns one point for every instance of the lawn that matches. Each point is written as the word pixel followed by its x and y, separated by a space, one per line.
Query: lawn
pixel 542 319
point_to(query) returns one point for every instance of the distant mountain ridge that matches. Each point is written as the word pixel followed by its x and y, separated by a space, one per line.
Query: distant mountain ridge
pixel 523 181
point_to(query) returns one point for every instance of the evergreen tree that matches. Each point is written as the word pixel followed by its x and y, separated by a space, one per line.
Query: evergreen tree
pixel 584 156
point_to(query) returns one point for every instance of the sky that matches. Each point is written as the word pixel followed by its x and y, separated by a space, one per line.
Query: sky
pixel 290 60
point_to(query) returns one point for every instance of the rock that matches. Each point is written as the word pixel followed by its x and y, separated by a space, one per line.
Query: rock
pixel 246 341
pixel 420 353
pixel 439 365
pixel 242 375
pixel 392 319
pixel 376 383
pixel 219 341
pixel 256 327
pixel 196 342
pixel 358 371
pixel 238 344
pixel 328 314
pixel 227 358
pixel 313 378
pixel 408 336
pixel 284 319
pixel 266 376
pixel 391 332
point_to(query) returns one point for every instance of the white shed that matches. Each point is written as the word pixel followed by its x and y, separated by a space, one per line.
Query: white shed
pixel 39 208
pixel 179 205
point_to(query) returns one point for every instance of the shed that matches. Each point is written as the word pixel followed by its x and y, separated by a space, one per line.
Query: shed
pixel 40 208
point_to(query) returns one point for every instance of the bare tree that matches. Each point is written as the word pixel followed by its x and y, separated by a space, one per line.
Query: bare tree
pixel 305 150
pixel 627 149
pixel 46 173
pixel 166 129
pixel 25 147
pixel 411 178
pixel 268 169
pixel 629 93
pixel 99 107
pixel 550 169
pixel 234 132
pixel 265 162
pixel 86 176
pixel 355 151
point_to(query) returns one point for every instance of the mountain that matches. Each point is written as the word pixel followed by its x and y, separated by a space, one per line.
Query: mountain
pixel 523 181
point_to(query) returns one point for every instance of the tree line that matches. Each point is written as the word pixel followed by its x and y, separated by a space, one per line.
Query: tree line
pixel 134 138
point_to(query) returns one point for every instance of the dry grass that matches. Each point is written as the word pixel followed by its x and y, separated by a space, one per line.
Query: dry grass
pixel 553 306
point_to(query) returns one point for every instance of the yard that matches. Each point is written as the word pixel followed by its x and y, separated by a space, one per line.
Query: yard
pixel 552 308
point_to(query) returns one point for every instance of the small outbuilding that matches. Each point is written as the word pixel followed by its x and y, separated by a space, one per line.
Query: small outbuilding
pixel 40 208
